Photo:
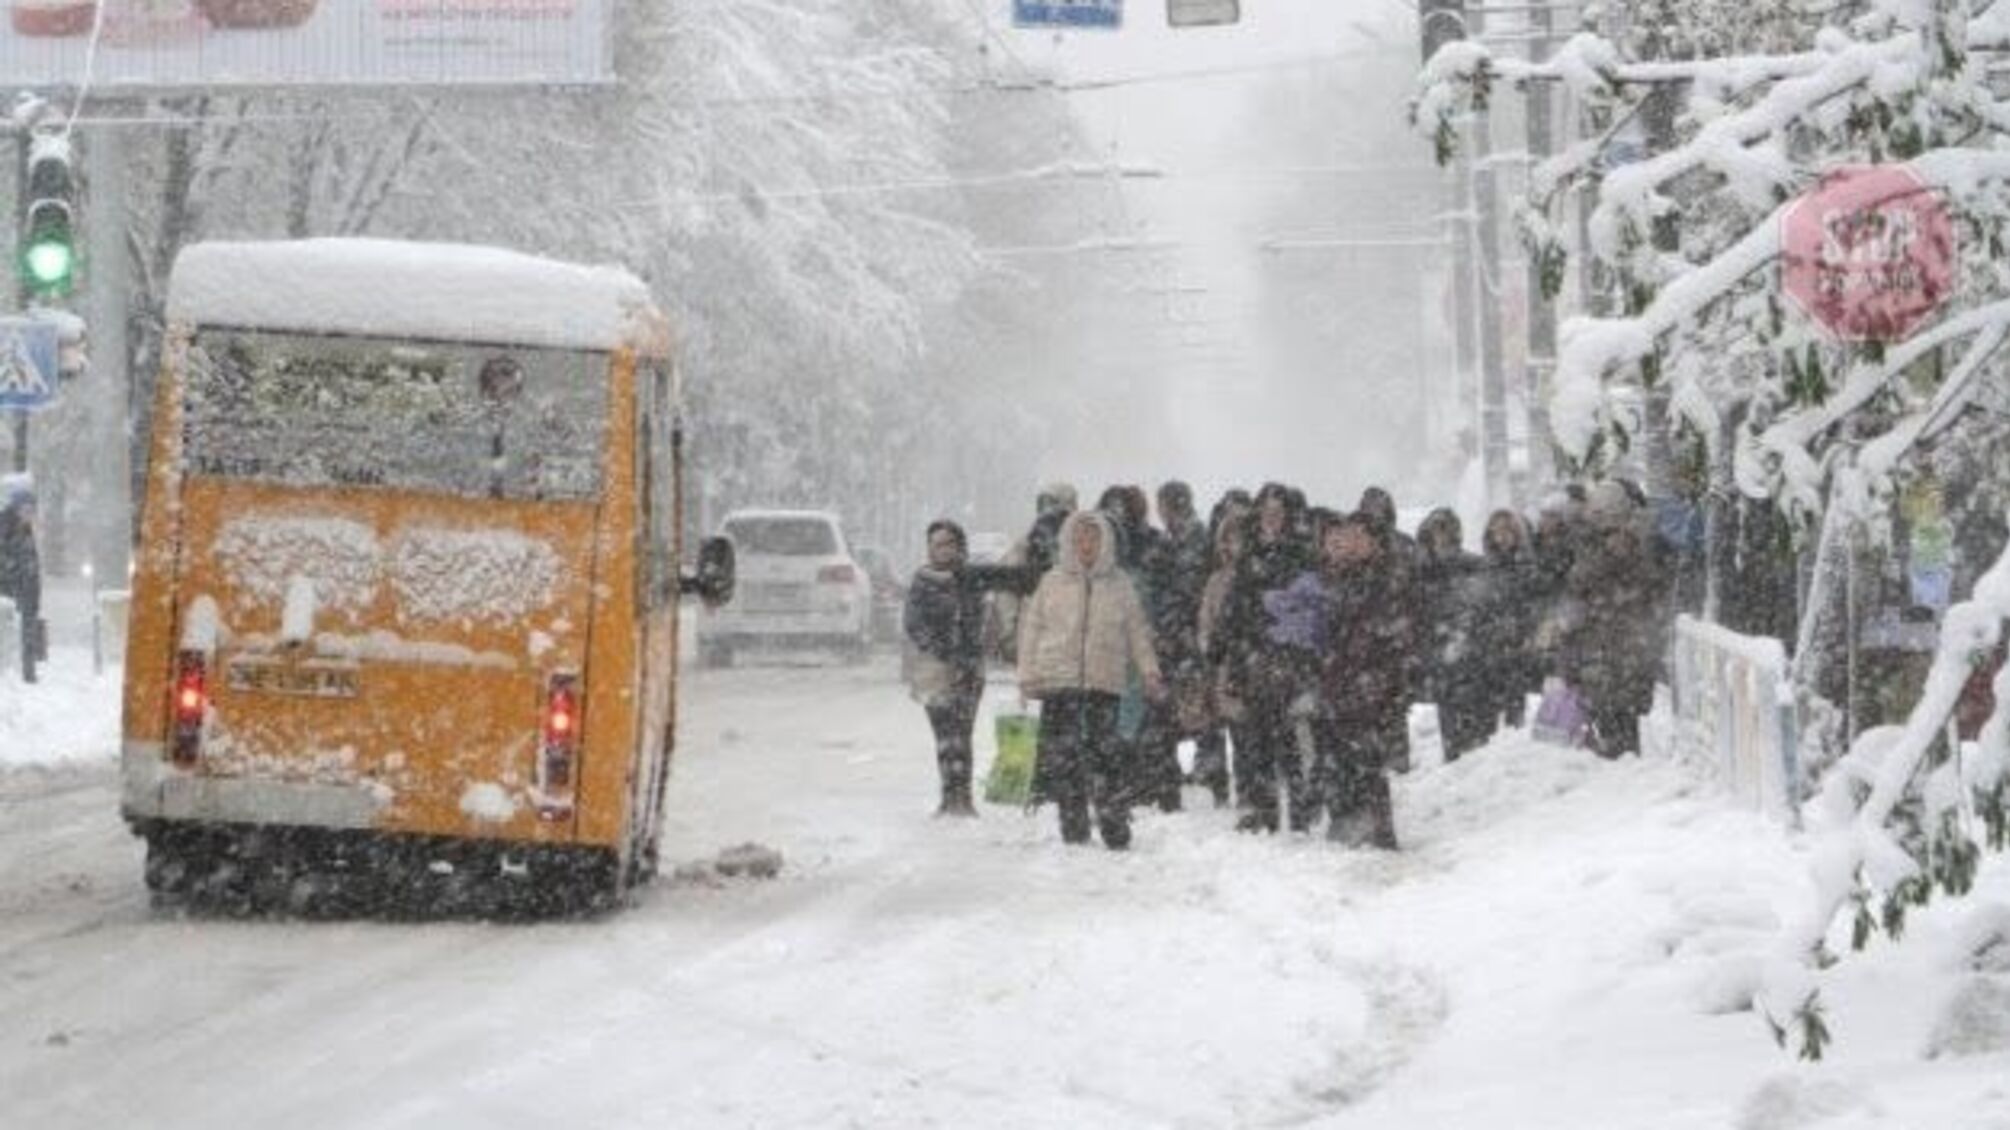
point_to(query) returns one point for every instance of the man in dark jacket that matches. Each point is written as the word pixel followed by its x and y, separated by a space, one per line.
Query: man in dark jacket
pixel 1447 601
pixel 1612 650
pixel 1403 559
pixel 1363 724
pixel 944 621
pixel 1270 669
pixel 1505 618
pixel 21 568
pixel 1184 559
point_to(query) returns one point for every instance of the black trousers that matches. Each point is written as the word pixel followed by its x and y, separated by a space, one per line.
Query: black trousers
pixel 1351 774
pixel 1158 772
pixel 1275 761
pixel 953 723
pixel 1082 766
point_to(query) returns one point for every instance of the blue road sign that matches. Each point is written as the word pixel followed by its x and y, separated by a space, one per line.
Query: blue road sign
pixel 28 364
pixel 1068 13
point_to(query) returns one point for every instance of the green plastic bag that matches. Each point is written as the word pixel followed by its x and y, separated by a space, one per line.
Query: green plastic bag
pixel 1010 780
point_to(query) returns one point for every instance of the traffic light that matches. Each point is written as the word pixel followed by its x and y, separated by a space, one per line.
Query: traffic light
pixel 48 235
pixel 1441 22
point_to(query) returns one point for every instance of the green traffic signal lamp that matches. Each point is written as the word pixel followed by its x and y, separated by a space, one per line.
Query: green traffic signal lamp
pixel 49 254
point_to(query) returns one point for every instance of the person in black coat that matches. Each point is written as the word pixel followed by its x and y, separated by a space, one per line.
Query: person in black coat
pixel 944 623
pixel 1446 600
pixel 21 570
pixel 1183 557
pixel 1365 678
pixel 1269 672
pixel 1508 611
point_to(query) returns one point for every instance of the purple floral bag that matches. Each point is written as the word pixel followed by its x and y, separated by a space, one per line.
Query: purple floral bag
pixel 1562 719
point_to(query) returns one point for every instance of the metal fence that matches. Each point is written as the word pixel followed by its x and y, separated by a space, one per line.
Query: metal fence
pixel 1735 708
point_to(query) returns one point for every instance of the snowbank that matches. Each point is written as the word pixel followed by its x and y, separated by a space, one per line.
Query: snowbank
pixel 71 716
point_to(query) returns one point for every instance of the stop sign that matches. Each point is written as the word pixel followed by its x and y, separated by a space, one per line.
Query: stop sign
pixel 1868 253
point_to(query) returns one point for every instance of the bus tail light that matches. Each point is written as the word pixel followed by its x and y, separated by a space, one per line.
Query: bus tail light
pixel 558 754
pixel 191 704
pixel 837 575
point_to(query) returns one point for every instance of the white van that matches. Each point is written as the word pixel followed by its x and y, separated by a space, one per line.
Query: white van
pixel 799 586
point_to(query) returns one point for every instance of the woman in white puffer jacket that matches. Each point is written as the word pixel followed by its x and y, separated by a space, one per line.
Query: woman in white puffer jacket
pixel 1079 637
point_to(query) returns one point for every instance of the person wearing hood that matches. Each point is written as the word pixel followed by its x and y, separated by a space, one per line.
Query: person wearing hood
pixel 1032 555
pixel 1230 537
pixel 1080 637
pixel 1378 510
pixel 944 624
pixel 1447 600
pixel 1138 723
pixel 1612 652
pixel 1362 727
pixel 1507 612
pixel 21 568
pixel 1559 530
pixel 1182 558
pixel 1269 667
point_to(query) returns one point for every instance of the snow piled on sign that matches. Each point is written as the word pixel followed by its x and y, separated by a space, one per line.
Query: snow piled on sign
pixel 263 556
pixel 391 289
pixel 472 575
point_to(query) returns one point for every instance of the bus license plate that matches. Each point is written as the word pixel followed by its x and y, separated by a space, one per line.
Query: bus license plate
pixel 299 682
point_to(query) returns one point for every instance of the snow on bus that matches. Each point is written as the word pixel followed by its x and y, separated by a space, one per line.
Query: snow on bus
pixel 424 291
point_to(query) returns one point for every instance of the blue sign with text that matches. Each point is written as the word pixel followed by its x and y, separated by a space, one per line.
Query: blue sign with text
pixel 1068 13
pixel 28 364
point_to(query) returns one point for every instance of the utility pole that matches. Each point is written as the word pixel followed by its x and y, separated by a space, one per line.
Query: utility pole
pixel 1541 363
pixel 22 142
pixel 1493 379
pixel 107 308
pixel 1474 232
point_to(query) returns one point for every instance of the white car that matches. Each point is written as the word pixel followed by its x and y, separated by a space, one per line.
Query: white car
pixel 798 587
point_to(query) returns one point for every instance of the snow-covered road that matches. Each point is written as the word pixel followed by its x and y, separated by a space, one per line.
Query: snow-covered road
pixel 1561 944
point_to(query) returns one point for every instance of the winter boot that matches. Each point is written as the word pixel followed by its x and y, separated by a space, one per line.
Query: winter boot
pixel 1116 832
pixel 1257 820
pixel 956 793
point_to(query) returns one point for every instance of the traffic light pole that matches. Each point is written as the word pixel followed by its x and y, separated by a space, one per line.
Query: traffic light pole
pixel 22 141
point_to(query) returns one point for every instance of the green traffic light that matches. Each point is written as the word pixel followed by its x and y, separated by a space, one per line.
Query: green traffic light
pixel 50 264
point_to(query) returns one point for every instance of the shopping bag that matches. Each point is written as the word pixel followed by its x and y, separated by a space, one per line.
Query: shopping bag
pixel 1562 718
pixel 1010 780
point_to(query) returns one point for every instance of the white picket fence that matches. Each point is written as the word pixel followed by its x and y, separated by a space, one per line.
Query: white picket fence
pixel 1735 708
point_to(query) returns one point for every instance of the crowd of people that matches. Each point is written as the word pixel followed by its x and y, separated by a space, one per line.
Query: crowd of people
pixel 1285 642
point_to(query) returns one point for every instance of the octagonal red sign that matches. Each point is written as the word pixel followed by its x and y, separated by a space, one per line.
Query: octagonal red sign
pixel 1868 253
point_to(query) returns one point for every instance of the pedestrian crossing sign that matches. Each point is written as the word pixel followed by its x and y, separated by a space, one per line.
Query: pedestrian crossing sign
pixel 28 364
pixel 1068 13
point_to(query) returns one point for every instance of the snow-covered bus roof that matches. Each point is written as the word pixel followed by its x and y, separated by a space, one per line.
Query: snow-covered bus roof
pixel 432 291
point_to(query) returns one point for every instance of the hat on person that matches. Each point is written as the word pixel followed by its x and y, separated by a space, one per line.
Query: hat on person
pixel 1058 496
pixel 1609 504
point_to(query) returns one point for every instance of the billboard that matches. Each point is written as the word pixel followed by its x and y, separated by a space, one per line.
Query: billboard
pixel 167 45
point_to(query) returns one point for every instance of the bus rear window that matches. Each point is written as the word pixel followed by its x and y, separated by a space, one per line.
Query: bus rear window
pixel 783 537
pixel 471 420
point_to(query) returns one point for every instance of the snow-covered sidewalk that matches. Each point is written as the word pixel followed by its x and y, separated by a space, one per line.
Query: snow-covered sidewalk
pixel 1562 943
pixel 70 715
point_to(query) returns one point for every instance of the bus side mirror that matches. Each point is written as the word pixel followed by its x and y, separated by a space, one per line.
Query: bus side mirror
pixel 713 582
